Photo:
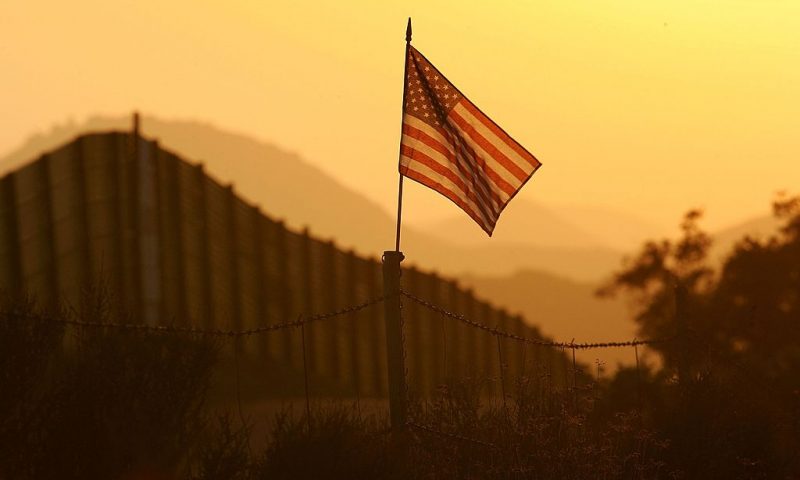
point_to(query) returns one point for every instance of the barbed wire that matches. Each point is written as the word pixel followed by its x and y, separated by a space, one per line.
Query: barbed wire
pixel 302 319
pixel 453 436
pixel 530 341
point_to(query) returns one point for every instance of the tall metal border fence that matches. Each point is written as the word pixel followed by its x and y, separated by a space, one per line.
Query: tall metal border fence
pixel 176 248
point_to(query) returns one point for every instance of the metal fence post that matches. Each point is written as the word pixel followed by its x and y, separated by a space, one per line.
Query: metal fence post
pixel 394 340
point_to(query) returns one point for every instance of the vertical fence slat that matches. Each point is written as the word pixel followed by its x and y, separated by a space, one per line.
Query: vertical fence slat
pixel 232 249
pixel 52 295
pixel 307 286
pixel 175 226
pixel 472 340
pixel 519 352
pixel 133 231
pixel 330 330
pixel 377 330
pixel 207 299
pixel 284 293
pixel 262 293
pixel 433 333
pixel 11 230
pixel 411 322
pixel 488 349
pixel 79 166
pixel 457 334
pixel 353 326
pixel 118 176
pixel 162 202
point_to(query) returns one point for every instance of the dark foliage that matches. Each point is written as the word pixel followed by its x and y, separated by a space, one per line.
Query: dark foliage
pixel 97 404
pixel 730 387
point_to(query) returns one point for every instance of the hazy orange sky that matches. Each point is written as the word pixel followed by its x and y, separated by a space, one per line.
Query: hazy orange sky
pixel 647 107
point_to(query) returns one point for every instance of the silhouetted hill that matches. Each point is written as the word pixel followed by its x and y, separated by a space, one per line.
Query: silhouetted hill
pixel 287 187
pixel 564 309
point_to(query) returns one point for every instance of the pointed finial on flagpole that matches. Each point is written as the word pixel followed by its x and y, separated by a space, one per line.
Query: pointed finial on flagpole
pixel 408 31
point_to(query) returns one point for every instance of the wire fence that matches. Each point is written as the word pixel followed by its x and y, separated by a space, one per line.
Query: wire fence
pixel 305 319
pixel 494 331
pixel 174 243
pixel 500 333
pixel 302 320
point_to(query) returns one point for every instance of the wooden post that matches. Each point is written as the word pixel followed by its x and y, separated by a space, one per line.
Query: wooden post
pixel 394 340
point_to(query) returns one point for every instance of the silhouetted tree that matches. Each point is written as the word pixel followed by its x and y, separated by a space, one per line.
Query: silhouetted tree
pixel 736 414
pixel 651 278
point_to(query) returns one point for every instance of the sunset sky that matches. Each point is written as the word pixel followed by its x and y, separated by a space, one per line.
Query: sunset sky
pixel 645 107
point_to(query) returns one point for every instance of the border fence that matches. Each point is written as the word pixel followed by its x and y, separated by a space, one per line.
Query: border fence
pixel 176 248
pixel 183 254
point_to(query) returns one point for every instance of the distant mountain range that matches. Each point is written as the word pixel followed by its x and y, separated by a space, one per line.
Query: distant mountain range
pixel 578 246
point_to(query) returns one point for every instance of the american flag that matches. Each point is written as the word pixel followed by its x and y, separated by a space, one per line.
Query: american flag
pixel 449 145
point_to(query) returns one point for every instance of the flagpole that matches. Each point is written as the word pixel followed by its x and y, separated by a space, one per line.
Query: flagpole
pixel 400 183
pixel 395 357
pixel 399 213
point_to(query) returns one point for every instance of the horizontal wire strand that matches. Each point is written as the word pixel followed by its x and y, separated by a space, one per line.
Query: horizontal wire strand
pixel 176 329
pixel 530 341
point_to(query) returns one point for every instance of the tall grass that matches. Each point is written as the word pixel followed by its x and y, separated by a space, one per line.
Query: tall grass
pixel 105 404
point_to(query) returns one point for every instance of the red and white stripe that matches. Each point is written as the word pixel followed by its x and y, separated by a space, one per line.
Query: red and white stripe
pixel 469 160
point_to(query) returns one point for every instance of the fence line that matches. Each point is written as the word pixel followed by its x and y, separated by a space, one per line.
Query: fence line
pixel 171 242
pixel 305 319
pixel 302 320
pixel 497 332
pixel 175 243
